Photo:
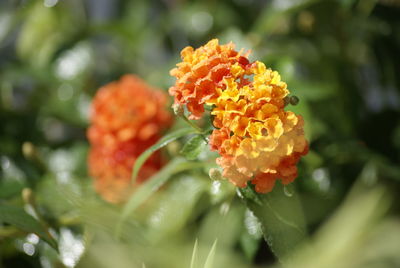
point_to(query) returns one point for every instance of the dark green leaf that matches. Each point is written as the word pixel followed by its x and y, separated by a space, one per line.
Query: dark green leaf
pixel 281 217
pixel 193 147
pixel 18 217
pixel 10 188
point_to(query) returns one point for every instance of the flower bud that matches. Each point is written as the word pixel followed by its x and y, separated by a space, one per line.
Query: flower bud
pixel 27 195
pixel 28 150
pixel 286 100
pixel 178 109
pixel 215 174
pixel 294 100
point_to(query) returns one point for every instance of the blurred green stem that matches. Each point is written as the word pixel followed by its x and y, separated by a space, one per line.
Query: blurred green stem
pixel 10 231
pixel 29 198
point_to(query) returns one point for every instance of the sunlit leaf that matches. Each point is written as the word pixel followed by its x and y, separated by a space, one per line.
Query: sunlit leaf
pixel 193 147
pixel 153 184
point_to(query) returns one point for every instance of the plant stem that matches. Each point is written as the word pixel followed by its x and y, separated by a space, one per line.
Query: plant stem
pixel 196 127
pixel 193 125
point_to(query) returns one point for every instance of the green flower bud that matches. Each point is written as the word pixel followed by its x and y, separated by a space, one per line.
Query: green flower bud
pixel 294 100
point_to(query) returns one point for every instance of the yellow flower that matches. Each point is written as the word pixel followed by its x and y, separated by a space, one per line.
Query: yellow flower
pixel 256 138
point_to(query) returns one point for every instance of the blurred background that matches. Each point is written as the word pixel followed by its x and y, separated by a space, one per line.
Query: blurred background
pixel 340 57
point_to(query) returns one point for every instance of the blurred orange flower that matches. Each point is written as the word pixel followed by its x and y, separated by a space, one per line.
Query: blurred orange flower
pixel 127 117
pixel 257 139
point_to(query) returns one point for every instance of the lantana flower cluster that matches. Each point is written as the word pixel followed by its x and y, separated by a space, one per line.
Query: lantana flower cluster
pixel 257 139
pixel 128 116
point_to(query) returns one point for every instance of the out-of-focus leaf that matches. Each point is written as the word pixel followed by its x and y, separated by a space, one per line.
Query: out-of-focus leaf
pixel 18 217
pixel 44 30
pixel 249 245
pixel 193 147
pixel 194 254
pixel 270 20
pixel 153 184
pixel 9 188
pixel 221 190
pixel 281 217
pixel 312 91
pixel 176 206
pixel 161 143
pixel 6 20
pixel 223 222
pixel 59 197
pixel 210 258
pixel 13 179
pixel 313 160
pixel 74 63
pixel 350 235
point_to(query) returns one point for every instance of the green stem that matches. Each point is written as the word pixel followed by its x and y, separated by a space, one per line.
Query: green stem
pixel 193 125
pixel 196 127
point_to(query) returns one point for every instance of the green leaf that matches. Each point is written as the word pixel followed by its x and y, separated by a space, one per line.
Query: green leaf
pixel 281 217
pixel 194 254
pixel 19 218
pixel 224 222
pixel 249 245
pixel 210 258
pixel 177 204
pixel 9 188
pixel 161 143
pixel 152 185
pixel 193 147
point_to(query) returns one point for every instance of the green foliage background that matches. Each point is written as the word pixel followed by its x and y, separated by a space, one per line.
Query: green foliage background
pixel 340 57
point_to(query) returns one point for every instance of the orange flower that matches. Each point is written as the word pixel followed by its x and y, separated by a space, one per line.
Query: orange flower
pixel 200 72
pixel 112 169
pixel 127 118
pixel 257 139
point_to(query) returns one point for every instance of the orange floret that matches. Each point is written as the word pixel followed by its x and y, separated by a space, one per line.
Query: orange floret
pixel 200 72
pixel 127 117
pixel 125 110
pixel 256 138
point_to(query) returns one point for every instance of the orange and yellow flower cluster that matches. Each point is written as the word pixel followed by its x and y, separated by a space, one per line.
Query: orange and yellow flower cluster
pixel 127 117
pixel 256 138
